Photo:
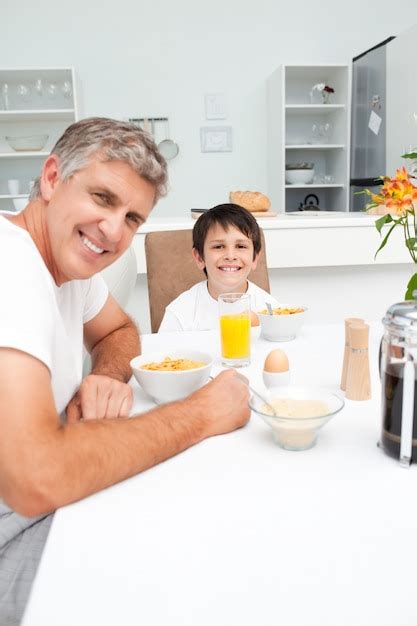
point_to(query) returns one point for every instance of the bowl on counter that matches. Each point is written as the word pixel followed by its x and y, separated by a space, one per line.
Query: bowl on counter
pixel 167 386
pixel 300 413
pixel 284 325
pixel 27 143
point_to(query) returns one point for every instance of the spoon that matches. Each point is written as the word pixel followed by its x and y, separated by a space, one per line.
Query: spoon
pixel 256 393
pixel 269 307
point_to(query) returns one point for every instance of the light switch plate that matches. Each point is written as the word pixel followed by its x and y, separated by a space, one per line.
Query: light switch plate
pixel 216 138
pixel 215 106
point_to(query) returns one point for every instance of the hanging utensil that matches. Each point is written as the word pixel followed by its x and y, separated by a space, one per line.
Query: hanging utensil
pixel 167 147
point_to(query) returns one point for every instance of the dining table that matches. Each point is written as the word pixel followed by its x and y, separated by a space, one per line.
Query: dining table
pixel 237 531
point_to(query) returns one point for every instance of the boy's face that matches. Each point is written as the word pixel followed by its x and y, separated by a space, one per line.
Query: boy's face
pixel 228 259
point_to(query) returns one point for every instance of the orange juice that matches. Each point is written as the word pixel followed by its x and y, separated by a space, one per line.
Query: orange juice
pixel 235 336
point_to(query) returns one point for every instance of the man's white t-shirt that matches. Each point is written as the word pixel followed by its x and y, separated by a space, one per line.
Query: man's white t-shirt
pixel 40 318
pixel 196 309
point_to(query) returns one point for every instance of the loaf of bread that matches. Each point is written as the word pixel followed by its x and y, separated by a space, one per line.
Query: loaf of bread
pixel 251 200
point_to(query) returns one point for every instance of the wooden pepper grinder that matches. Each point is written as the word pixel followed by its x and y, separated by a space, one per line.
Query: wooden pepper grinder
pixel 348 322
pixel 358 381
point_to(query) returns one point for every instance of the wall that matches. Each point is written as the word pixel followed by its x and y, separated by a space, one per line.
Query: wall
pixel 156 58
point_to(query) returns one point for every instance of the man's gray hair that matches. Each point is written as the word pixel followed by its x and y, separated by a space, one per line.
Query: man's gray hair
pixel 109 140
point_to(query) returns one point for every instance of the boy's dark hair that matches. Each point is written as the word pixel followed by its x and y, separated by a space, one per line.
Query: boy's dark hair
pixel 227 215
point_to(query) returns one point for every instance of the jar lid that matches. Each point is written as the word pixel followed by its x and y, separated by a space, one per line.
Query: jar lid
pixel 402 315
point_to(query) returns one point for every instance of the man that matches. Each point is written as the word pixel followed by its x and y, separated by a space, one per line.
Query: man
pixel 61 437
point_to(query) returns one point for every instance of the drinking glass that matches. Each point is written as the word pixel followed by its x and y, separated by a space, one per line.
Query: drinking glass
pixel 39 87
pixel 5 96
pixel 234 312
pixel 51 91
pixel 66 90
pixel 23 93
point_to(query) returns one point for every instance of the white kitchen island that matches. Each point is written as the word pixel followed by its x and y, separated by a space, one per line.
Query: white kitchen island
pixel 320 261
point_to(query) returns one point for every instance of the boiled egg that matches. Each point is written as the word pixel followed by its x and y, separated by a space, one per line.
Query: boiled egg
pixel 254 319
pixel 276 362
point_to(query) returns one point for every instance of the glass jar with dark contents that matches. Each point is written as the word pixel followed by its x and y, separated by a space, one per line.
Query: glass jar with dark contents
pixel 399 382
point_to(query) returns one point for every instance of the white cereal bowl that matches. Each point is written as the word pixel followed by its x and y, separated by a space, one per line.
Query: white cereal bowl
pixel 27 143
pixel 169 386
pixel 297 433
pixel 299 177
pixel 282 327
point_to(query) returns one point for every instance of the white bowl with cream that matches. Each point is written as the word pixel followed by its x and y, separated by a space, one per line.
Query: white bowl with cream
pixel 167 386
pixel 300 413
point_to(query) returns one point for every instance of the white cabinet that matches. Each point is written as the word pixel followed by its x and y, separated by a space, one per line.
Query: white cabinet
pixel 304 129
pixel 36 106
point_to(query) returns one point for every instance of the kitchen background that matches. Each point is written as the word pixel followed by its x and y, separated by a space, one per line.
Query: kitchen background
pixel 137 59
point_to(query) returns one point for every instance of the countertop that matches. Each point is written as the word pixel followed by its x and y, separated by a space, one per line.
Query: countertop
pixel 298 219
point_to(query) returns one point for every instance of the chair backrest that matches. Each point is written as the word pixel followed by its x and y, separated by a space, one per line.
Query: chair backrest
pixel 171 269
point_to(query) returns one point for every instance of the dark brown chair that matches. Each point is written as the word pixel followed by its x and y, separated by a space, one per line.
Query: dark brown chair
pixel 171 270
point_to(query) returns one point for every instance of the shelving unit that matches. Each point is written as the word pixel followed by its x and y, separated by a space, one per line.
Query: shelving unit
pixel 33 101
pixel 293 111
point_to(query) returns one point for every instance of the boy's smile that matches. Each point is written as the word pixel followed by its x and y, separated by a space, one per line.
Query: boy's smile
pixel 228 259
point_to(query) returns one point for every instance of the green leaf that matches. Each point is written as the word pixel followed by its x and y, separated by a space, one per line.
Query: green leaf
pixel 411 287
pixel 385 219
pixel 385 238
pixel 411 243
pixel 409 155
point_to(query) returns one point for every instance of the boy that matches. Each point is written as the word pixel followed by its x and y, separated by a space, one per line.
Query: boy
pixel 226 246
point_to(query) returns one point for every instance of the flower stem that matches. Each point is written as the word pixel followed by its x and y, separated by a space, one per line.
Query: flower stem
pixel 407 236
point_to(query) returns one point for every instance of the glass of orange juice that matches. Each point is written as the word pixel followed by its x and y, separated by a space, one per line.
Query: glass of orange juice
pixel 234 311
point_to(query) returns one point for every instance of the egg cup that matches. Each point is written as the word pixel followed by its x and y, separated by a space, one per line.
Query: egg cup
pixel 276 379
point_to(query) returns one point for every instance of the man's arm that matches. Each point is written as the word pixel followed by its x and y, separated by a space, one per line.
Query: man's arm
pixel 45 464
pixel 113 340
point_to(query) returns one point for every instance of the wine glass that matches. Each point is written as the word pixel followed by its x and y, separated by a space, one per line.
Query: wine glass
pixel 51 91
pixel 5 96
pixel 66 89
pixel 23 93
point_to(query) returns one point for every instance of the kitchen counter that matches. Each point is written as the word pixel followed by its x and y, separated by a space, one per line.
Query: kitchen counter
pixel 324 239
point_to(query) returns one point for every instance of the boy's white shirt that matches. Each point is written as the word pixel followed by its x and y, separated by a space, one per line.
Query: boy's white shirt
pixel 196 309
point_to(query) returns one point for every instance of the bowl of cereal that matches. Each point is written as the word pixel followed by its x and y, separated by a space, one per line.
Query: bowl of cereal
pixel 284 324
pixel 171 374
pixel 300 412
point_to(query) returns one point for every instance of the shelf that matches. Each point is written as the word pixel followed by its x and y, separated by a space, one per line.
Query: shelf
pixel 37 114
pixel 4 196
pixel 21 155
pixel 316 186
pixel 300 129
pixel 304 108
pixel 318 146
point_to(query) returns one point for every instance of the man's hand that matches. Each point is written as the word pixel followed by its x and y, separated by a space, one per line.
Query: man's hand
pixel 223 403
pixel 99 397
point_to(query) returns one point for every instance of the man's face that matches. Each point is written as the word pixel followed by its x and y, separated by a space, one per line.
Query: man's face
pixel 228 259
pixel 92 217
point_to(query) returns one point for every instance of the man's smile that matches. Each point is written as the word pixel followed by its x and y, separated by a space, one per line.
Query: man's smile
pixel 90 245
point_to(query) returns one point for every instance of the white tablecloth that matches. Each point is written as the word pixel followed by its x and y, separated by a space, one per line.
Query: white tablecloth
pixel 237 531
